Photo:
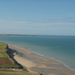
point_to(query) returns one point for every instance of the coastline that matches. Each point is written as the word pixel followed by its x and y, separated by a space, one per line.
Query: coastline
pixel 36 63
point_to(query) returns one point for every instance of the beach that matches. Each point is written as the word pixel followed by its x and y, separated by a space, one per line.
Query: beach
pixel 39 64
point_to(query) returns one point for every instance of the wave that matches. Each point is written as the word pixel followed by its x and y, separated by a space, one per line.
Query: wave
pixel 52 59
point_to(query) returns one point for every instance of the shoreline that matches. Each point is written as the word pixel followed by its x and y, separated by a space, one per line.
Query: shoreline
pixel 40 64
pixel 55 60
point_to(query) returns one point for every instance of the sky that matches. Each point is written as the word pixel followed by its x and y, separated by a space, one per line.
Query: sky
pixel 37 17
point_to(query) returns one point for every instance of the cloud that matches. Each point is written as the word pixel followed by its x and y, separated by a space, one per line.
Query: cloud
pixel 20 22
pixel 71 14
pixel 51 23
pixel 52 26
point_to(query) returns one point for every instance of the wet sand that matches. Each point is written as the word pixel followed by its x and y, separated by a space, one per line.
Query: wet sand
pixel 36 63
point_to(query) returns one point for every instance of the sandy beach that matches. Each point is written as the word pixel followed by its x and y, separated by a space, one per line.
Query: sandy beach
pixel 36 63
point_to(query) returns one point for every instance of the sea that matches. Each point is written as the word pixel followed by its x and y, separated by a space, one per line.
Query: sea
pixel 59 48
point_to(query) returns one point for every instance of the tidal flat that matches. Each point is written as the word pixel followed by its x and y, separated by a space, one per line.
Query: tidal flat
pixel 39 64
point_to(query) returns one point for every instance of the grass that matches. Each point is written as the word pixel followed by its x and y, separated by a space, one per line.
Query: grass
pixel 9 72
pixel 8 62
pixel 5 60
pixel 3 45
pixel 3 55
pixel 9 66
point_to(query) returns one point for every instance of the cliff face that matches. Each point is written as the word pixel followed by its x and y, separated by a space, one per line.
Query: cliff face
pixel 11 52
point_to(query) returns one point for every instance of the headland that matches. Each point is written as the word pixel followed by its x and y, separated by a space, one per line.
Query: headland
pixel 8 65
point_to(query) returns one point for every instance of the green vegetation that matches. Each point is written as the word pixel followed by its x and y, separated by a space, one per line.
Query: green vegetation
pixel 3 55
pixel 3 45
pixel 9 72
pixel 6 62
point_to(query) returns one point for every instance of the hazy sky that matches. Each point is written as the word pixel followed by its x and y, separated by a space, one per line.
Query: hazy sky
pixel 41 17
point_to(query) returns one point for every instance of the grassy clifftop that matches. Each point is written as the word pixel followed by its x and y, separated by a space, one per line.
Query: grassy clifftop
pixel 6 62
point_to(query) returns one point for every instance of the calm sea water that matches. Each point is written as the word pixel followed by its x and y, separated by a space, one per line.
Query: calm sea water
pixel 61 48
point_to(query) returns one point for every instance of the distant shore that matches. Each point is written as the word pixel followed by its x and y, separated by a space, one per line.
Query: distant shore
pixel 36 63
pixel 15 35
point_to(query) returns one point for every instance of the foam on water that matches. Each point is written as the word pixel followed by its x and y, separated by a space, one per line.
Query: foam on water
pixel 55 60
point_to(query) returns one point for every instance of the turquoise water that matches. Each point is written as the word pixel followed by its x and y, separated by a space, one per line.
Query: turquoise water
pixel 60 48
